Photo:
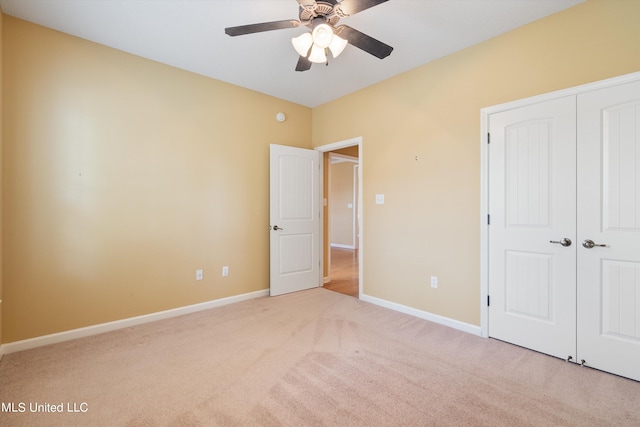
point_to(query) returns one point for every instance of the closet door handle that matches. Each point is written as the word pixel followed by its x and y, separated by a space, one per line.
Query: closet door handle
pixel 591 244
pixel 564 242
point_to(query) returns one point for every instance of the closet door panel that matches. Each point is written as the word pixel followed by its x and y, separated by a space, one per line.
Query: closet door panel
pixel 608 269
pixel 532 203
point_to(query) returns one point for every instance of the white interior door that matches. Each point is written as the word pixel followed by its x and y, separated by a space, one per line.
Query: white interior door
pixel 609 215
pixel 532 181
pixel 294 219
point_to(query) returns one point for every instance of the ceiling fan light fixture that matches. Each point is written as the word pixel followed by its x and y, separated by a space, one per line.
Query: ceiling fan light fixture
pixel 322 35
pixel 318 55
pixel 337 45
pixel 302 44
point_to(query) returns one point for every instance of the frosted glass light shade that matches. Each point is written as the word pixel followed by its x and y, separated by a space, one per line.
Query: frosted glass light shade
pixel 314 45
pixel 302 44
pixel 317 55
pixel 337 46
pixel 322 35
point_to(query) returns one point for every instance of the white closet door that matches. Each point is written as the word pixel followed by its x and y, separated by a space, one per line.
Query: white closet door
pixel 609 214
pixel 532 201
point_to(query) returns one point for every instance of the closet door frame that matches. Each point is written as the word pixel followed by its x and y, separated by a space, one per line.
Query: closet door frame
pixel 484 174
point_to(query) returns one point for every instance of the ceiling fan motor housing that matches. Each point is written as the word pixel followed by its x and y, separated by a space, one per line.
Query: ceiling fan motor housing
pixel 324 9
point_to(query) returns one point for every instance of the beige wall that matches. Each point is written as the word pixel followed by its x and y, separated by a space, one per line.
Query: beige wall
pixel 341 195
pixel 123 176
pixel 348 151
pixel 430 222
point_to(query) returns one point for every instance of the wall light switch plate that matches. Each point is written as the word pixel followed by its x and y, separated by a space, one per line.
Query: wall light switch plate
pixel 434 282
pixel 225 271
pixel 199 274
pixel 379 199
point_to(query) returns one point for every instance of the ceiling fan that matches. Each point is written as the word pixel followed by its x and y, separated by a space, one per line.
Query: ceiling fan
pixel 321 16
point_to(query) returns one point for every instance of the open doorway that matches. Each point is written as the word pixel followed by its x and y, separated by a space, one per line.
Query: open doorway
pixel 341 192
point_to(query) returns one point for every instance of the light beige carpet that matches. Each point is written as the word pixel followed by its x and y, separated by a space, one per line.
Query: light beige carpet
pixel 313 358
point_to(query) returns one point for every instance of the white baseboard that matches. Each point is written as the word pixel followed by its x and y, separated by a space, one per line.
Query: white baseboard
pixel 435 318
pixel 326 279
pixel 341 246
pixel 30 343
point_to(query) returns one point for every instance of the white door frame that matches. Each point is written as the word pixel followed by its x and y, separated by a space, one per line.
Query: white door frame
pixel 331 147
pixel 484 174
pixel 356 204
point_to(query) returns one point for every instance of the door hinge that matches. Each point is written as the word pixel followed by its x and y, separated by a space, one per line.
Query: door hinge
pixel 488 138
pixel 488 219
pixel 488 301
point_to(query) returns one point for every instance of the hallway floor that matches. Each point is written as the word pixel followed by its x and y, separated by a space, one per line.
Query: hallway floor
pixel 344 272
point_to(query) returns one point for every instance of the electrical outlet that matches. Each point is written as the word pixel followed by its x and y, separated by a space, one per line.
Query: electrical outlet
pixel 434 282
pixel 225 271
pixel 199 274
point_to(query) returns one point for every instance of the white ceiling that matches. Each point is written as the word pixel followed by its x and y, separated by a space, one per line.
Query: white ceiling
pixel 189 34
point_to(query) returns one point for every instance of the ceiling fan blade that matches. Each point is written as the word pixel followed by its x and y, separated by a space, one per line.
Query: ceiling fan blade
pixel 351 7
pixel 364 42
pixel 303 64
pixel 258 28
pixel 304 3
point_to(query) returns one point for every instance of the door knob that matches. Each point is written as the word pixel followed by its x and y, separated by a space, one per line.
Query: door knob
pixel 564 242
pixel 276 228
pixel 590 244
